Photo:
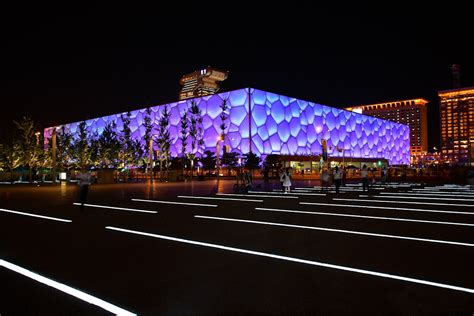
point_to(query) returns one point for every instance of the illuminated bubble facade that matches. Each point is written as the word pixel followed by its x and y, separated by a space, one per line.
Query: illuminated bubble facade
pixel 268 123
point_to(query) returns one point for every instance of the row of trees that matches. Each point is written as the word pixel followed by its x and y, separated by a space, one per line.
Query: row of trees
pixel 117 149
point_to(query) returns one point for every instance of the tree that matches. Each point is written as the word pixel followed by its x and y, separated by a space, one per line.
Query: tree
pixel 196 133
pixel 223 117
pixel 208 161
pixel 164 139
pixel 10 157
pixel 184 132
pixel 109 146
pixel 28 144
pixel 94 149
pixel 148 124
pixel 272 163
pixel 82 150
pixel 252 161
pixel 64 149
pixel 127 145
pixel 230 160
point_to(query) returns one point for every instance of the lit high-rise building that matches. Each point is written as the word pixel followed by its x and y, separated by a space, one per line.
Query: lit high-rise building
pixel 456 109
pixel 410 112
pixel 200 83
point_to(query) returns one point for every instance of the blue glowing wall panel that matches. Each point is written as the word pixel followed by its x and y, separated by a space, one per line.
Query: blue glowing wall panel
pixel 278 125
pixel 283 125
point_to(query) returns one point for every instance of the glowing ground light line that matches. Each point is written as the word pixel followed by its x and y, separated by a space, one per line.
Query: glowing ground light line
pixel 35 215
pixel 282 193
pixel 364 216
pixel 174 203
pixel 404 202
pixel 262 196
pixel 66 289
pixel 298 260
pixel 422 194
pixel 217 198
pixel 117 208
pixel 354 232
pixel 394 196
pixel 387 208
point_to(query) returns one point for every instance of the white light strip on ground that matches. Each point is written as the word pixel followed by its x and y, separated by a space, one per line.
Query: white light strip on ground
pixel 262 196
pixel 456 196
pixel 354 232
pixel 387 208
pixel 364 216
pixel 66 289
pixel 468 192
pixel 34 215
pixel 117 208
pixel 175 203
pixel 441 194
pixel 297 260
pixel 396 196
pixel 282 193
pixel 217 198
pixel 402 202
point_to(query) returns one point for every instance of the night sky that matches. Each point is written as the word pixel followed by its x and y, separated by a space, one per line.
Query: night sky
pixel 61 66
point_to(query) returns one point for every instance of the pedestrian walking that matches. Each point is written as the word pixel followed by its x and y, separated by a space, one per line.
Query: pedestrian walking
pixel 365 178
pixel 337 178
pixel 84 181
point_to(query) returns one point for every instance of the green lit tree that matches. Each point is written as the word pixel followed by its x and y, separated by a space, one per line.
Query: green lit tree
pixel 127 146
pixel 10 157
pixel 109 146
pixel 82 150
pixel 64 150
pixel 28 144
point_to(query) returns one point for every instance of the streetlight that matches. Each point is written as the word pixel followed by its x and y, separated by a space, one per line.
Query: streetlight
pixel 37 134
pixel 220 139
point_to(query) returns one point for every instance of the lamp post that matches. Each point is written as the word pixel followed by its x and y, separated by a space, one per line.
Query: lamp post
pixel 220 139
pixel 37 134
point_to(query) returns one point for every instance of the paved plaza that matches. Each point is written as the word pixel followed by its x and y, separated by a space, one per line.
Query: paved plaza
pixel 196 248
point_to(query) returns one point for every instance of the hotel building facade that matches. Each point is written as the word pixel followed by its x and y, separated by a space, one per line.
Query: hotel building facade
pixel 456 109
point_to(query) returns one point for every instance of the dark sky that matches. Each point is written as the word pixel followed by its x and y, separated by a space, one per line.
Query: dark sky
pixel 68 64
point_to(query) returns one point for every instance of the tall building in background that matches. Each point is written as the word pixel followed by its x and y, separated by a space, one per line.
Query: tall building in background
pixel 202 82
pixel 456 109
pixel 410 112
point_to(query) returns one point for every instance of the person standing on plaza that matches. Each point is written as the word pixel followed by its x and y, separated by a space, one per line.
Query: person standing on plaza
pixel 84 181
pixel 282 179
pixel 364 174
pixel 324 180
pixel 287 180
pixel 384 175
pixel 337 178
pixel 344 176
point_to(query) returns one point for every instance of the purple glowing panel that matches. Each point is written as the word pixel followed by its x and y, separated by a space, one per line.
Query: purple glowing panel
pixel 359 135
pixel 279 125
